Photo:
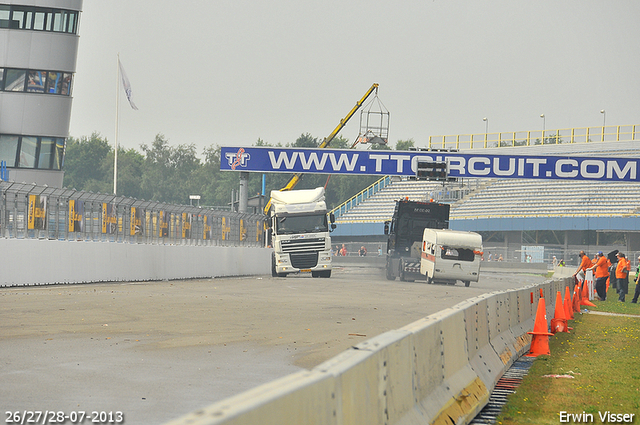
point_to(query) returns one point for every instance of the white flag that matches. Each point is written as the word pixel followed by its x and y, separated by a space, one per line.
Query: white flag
pixel 127 86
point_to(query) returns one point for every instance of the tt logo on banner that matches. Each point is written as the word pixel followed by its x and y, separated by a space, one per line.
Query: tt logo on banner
pixel 239 158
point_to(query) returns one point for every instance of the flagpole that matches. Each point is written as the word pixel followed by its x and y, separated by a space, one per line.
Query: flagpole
pixel 115 157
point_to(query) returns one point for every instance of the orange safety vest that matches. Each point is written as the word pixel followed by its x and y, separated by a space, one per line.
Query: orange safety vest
pixel 623 265
pixel 586 263
pixel 602 270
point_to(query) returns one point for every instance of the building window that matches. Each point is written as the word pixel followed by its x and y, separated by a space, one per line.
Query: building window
pixel 5 14
pixel 66 84
pixel 15 79
pixel 36 81
pixel 54 83
pixel 46 153
pixel 8 149
pixel 28 148
pixel 47 82
pixel 38 22
pixel 38 18
pixel 58 154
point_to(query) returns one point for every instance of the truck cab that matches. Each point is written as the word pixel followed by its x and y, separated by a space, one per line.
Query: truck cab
pixel 404 231
pixel 299 233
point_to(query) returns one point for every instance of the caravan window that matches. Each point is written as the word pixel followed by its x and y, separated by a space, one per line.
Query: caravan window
pixel 461 254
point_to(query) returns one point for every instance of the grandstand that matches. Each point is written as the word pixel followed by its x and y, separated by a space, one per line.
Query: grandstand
pixel 510 207
pixel 549 198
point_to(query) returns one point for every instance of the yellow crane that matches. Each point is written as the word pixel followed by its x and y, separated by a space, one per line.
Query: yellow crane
pixel 327 140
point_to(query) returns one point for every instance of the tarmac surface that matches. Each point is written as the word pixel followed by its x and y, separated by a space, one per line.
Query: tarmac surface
pixel 158 350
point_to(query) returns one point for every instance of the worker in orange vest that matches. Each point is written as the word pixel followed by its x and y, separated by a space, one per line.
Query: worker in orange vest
pixel 584 264
pixel 601 269
pixel 622 276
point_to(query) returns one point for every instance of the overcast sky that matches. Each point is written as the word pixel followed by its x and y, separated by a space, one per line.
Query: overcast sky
pixel 228 72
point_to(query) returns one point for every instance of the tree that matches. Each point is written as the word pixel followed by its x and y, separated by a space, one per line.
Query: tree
pixel 306 141
pixel 340 142
pixel 86 163
pixel 404 145
pixel 130 169
pixel 167 171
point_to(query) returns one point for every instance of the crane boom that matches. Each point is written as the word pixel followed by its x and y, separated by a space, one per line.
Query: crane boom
pixel 327 140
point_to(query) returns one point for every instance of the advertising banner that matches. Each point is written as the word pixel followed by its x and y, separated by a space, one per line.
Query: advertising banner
pixel 109 219
pixel 76 215
pixel 243 230
pixel 37 212
pixel 404 163
pixel 226 229
pixel 136 227
pixel 206 234
pixel 163 224
pixel 186 226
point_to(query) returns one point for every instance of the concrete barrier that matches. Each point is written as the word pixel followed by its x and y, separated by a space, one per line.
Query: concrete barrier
pixel 437 370
pixel 39 262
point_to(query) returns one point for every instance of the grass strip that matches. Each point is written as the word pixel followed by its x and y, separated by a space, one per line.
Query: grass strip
pixel 599 361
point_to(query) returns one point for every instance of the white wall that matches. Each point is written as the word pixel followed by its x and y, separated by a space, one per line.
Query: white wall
pixel 40 262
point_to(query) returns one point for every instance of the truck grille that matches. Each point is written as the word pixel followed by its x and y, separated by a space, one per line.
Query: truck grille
pixel 304 260
pixel 303 252
pixel 303 245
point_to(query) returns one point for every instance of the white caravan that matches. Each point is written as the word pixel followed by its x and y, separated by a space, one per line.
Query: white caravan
pixel 450 255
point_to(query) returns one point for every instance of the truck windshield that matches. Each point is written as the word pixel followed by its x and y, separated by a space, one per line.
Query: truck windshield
pixel 409 227
pixel 301 224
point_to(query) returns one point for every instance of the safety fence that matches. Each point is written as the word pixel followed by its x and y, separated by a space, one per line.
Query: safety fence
pixel 28 211
pixel 618 133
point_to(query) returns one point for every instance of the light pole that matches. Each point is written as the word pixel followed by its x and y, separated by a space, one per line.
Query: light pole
pixel 604 120
pixel 544 122
pixel 486 130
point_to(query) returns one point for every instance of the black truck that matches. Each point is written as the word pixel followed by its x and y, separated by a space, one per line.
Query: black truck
pixel 405 230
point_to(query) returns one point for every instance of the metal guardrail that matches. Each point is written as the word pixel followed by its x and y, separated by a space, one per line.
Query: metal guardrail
pixel 620 133
pixel 361 196
pixel 28 211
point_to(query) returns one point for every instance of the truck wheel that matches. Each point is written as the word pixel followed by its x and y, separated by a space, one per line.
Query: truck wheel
pixel 401 271
pixel 467 283
pixel 273 266
pixel 389 272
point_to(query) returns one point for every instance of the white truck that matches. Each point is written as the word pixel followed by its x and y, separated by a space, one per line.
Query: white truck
pixel 449 255
pixel 299 233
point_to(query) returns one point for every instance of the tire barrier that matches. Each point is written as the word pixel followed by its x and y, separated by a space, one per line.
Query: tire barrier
pixel 438 370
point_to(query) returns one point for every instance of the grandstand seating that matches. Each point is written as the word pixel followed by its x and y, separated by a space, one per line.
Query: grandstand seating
pixel 509 198
pixel 530 198
pixel 495 198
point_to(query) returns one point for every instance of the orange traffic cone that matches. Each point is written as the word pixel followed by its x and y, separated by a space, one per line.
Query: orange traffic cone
pixel 559 321
pixel 540 339
pixel 568 309
pixel 576 299
pixel 585 295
